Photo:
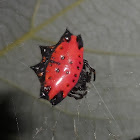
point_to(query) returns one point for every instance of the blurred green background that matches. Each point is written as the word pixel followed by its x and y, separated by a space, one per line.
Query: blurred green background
pixel 111 33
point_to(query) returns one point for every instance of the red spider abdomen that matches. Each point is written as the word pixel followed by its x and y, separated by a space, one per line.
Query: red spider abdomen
pixel 63 70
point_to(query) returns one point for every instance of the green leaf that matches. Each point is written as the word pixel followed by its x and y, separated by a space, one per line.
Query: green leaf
pixel 110 30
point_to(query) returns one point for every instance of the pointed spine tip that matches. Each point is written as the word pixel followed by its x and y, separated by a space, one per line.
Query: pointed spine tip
pixel 79 35
pixel 67 30
pixel 32 67
pixel 36 67
pixel 43 49
pixel 79 41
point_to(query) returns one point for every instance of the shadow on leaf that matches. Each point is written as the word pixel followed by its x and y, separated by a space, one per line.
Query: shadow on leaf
pixel 8 124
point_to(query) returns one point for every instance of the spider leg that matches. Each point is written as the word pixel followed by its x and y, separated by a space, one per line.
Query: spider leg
pixel 76 95
pixel 80 89
pixel 89 73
